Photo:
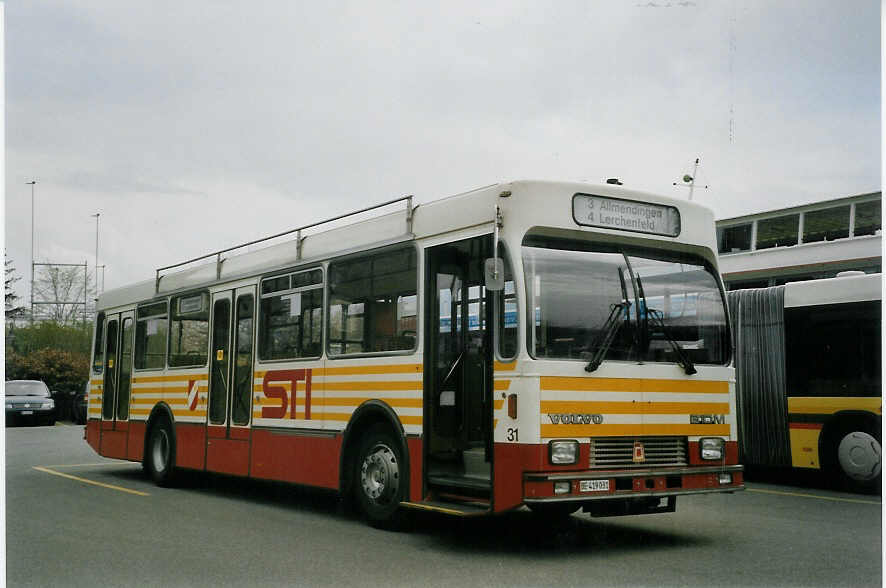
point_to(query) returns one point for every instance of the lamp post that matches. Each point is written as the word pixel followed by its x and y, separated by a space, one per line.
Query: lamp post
pixel 689 180
pixel 96 215
pixel 32 183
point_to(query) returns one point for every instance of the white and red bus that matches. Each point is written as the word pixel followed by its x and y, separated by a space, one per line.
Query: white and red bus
pixel 554 345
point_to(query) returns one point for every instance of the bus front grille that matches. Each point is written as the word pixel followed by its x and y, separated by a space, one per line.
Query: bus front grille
pixel 615 452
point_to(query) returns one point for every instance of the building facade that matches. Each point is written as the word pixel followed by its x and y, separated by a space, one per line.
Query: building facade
pixel 806 242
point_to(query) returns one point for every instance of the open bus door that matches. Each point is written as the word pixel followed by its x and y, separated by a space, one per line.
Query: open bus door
pixel 458 371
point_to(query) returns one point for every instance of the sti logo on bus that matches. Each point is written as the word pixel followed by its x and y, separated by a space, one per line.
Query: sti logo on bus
pixel 272 386
pixel 707 419
pixel 576 419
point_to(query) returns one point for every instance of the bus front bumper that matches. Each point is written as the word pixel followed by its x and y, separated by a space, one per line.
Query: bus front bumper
pixel 653 483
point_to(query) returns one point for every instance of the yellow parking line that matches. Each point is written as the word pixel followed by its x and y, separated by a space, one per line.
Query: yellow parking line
pixel 93 482
pixel 85 465
pixel 833 498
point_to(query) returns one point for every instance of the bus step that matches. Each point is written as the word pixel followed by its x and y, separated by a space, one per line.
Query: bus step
pixel 457 509
pixel 463 482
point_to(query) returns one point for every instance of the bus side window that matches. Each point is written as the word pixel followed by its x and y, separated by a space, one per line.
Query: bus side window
pixel 373 302
pixel 98 350
pixel 150 336
pixel 189 332
pixel 291 316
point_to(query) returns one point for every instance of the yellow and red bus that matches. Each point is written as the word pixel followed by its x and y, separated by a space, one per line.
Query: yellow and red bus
pixel 808 361
pixel 554 345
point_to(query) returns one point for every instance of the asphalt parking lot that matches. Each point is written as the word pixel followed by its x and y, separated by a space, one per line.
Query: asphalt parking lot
pixel 77 519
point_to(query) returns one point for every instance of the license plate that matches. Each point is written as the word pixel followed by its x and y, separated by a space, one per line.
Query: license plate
pixel 27 412
pixel 593 485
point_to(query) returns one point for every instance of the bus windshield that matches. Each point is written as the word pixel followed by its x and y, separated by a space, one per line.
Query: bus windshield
pixel 622 303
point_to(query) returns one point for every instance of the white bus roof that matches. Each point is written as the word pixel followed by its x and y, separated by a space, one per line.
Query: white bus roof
pixel 847 288
pixel 532 203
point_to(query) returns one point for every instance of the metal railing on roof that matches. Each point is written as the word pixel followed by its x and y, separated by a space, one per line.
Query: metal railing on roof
pixel 298 236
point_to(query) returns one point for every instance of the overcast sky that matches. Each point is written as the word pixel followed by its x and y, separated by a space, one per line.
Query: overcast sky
pixel 192 126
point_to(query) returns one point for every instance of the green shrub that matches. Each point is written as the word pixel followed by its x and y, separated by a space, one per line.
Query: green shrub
pixel 63 371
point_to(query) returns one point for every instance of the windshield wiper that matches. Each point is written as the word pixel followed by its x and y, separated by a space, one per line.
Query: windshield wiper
pixel 607 334
pixel 658 317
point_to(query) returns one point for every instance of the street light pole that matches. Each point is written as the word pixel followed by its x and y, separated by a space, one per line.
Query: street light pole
pixel 96 215
pixel 689 181
pixel 32 183
pixel 692 181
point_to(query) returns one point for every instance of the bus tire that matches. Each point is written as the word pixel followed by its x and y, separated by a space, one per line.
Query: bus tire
pixel 554 510
pixel 855 457
pixel 159 460
pixel 379 480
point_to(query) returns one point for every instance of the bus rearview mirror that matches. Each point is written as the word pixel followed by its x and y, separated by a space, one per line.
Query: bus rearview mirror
pixel 494 272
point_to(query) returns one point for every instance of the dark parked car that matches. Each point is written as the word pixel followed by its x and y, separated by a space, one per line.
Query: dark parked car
pixel 78 408
pixel 28 401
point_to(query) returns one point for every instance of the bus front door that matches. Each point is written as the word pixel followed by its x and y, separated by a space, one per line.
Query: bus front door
pixel 116 386
pixel 231 381
pixel 458 370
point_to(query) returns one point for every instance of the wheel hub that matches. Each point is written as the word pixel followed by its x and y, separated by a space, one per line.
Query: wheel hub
pixel 160 451
pixel 379 474
pixel 859 456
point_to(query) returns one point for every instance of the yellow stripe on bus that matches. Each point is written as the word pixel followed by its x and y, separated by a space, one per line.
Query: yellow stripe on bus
pixel 405 368
pixel 345 417
pixel 502 384
pixel 368 385
pixel 632 429
pixel 633 385
pixel 173 378
pixel 505 367
pixel 354 401
pixel 183 388
pixel 566 406
pixel 830 405
pixel 359 370
pixel 357 401
pixel 498 402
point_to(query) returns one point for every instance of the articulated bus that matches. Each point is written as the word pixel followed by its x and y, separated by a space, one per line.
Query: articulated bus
pixel 808 361
pixel 553 345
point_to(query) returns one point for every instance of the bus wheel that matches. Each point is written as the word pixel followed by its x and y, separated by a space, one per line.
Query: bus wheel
pixel 160 455
pixel 555 510
pixel 379 479
pixel 858 459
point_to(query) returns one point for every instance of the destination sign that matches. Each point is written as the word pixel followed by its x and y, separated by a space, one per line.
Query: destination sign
pixel 625 215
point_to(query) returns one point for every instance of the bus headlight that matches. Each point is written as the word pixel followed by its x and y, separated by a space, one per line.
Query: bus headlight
pixel 563 452
pixel 711 447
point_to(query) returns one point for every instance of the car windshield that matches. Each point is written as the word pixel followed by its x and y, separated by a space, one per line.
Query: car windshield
pixel 594 301
pixel 26 389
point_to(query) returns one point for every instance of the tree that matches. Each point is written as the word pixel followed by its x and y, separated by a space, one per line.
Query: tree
pixel 49 335
pixel 9 279
pixel 61 293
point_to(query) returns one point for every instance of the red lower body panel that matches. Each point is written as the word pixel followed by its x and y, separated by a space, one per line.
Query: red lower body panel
pixel 508 476
pixel 228 456
pixel 135 447
pixel 190 446
pixel 93 434
pixel 291 457
pixel 113 444
pixel 415 465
